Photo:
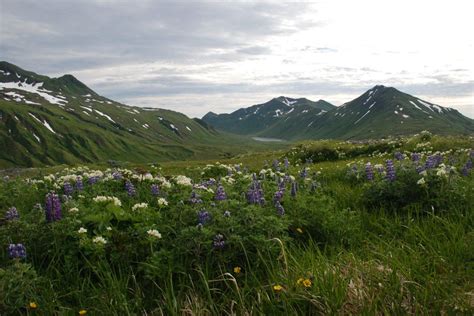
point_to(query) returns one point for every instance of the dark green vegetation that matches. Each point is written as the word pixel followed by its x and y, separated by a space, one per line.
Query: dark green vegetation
pixel 344 245
pixel 379 112
pixel 47 121
pixel 280 117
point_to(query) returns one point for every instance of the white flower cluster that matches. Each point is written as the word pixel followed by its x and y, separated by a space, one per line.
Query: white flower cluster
pixel 139 206
pixel 113 199
pixel 99 240
pixel 73 210
pixel 183 180
pixel 82 230
pixel 93 173
pixel 49 177
pixel 154 233
pixel 163 182
pixel 162 202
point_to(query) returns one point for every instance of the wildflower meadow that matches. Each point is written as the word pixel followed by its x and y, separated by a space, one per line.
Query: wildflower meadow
pixel 330 227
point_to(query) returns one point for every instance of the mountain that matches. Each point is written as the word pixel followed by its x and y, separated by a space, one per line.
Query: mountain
pixel 279 117
pixel 379 112
pixel 46 121
pixel 384 111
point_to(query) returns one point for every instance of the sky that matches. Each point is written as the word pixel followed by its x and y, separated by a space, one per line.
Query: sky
pixel 194 57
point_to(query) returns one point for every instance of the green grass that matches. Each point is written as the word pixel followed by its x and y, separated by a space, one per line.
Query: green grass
pixel 356 258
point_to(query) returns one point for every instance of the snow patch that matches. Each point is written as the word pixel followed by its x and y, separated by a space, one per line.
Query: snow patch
pixel 45 123
pixel 104 115
pixel 37 138
pixel 431 106
pixel 33 88
pixel 288 102
pixel 361 117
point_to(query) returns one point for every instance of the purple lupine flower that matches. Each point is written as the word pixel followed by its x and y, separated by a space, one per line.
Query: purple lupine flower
pixel 309 161
pixel 203 217
pixel 369 172
pixel 415 157
pixel 220 193
pixel 68 189
pixel 218 241
pixel 278 196
pixel 314 186
pixel 471 154
pixel 155 190
pixel 130 188
pixel 390 170
pixel 469 164
pixel 17 251
pixel 304 173
pixel 287 163
pixel 12 214
pixel 52 207
pixel 195 199
pixel 294 189
pixel 93 180
pixel 276 165
pixel 279 209
pixel 117 175
pixel 237 168
pixel 79 185
pixel 255 193
pixel 399 156
pixel 466 169
pixel 227 214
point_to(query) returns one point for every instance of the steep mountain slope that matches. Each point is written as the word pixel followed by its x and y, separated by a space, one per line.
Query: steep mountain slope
pixel 46 121
pixel 278 117
pixel 384 111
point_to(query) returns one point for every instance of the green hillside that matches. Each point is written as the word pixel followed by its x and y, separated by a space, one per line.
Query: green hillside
pixel 385 111
pixel 46 121
pixel 379 112
pixel 279 117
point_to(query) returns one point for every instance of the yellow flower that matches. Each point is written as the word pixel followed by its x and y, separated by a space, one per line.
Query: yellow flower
pixel 33 305
pixel 277 288
pixel 307 283
pixel 299 230
pixel 237 270
pixel 82 312
pixel 300 281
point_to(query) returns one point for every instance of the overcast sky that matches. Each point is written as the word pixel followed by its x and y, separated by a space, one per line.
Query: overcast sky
pixel 196 57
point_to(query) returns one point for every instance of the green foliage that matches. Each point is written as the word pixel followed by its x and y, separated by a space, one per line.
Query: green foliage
pixel 346 246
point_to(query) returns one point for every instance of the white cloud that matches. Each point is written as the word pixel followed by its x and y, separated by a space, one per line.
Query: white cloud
pixel 203 56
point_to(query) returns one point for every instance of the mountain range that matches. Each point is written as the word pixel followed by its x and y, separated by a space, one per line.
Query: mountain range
pixel 379 112
pixel 48 121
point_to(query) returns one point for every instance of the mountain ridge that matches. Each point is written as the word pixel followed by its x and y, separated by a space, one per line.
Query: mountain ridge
pixel 381 111
pixel 46 121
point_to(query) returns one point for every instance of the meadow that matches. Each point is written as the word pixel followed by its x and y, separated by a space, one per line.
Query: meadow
pixel 323 227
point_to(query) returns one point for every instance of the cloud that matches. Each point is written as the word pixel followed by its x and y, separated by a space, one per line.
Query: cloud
pixel 197 56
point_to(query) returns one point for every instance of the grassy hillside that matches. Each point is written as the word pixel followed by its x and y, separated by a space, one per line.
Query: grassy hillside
pixel 46 121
